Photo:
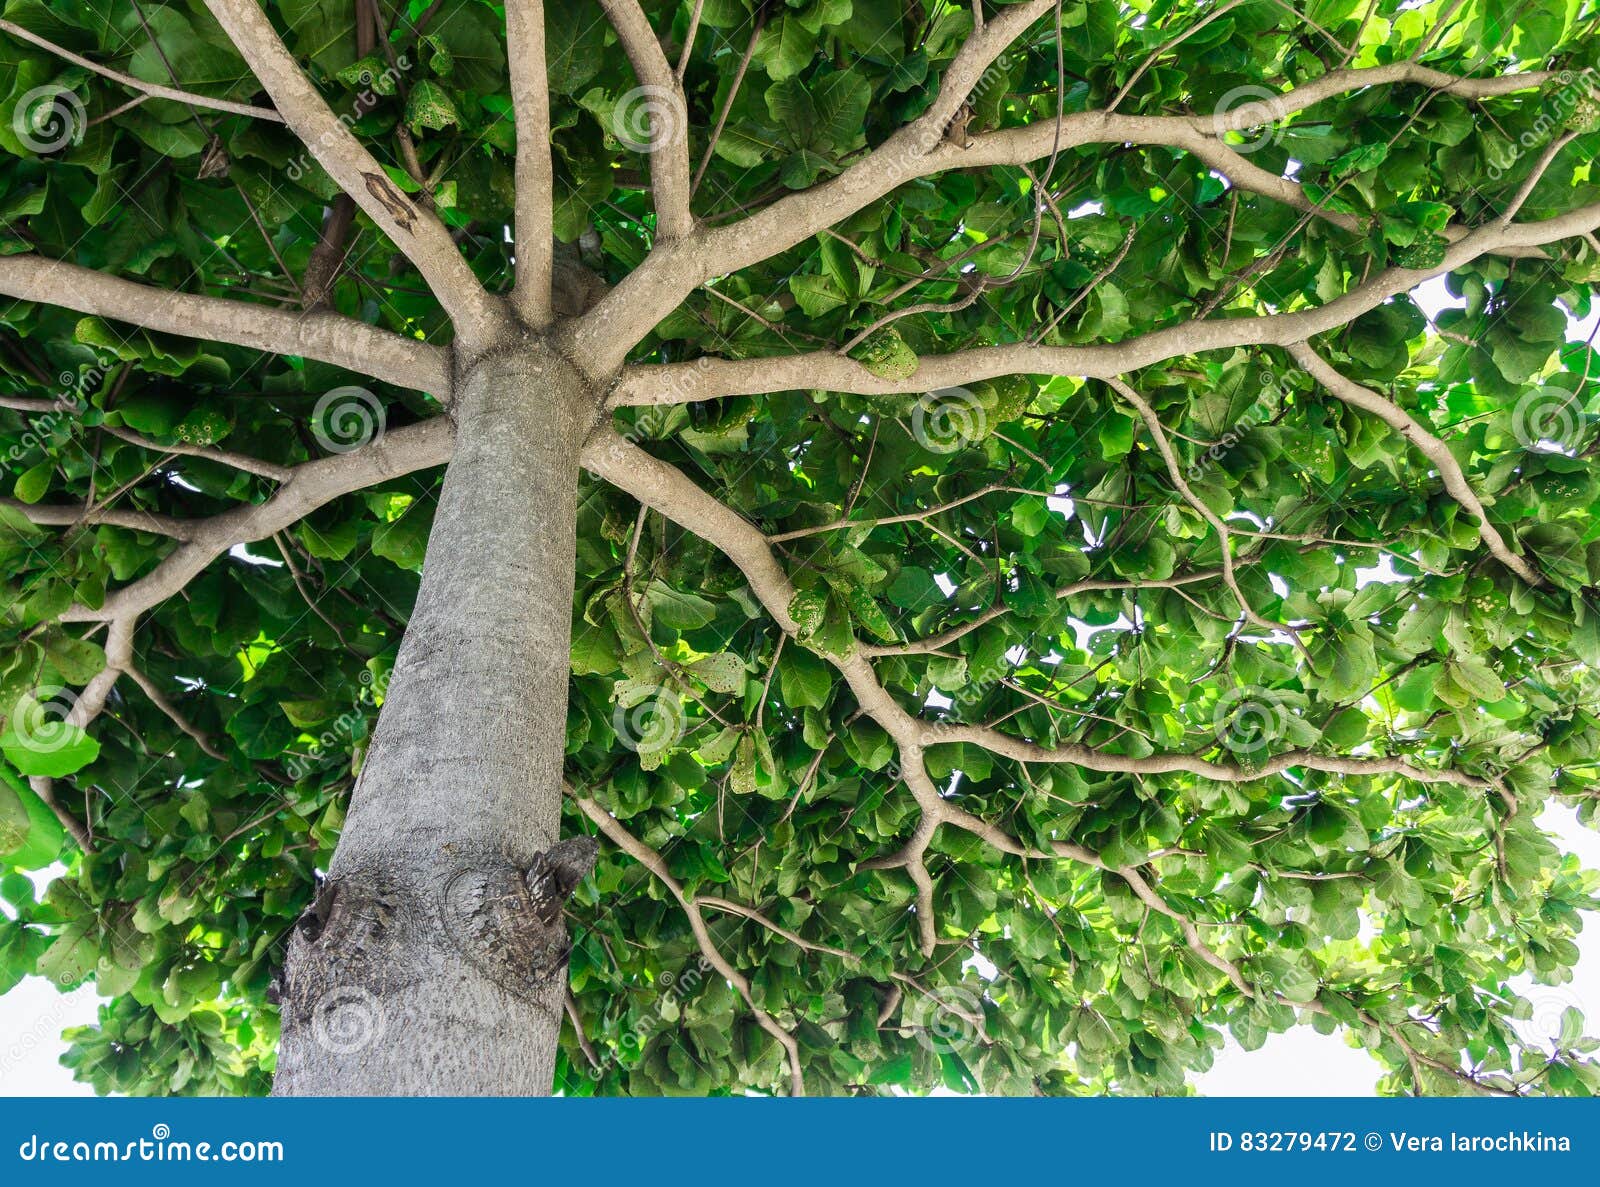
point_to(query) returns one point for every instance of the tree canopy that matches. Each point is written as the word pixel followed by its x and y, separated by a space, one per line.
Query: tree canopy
pixel 1048 595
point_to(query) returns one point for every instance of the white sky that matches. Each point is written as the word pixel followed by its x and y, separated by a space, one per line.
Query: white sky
pixel 1305 1063
pixel 1300 1063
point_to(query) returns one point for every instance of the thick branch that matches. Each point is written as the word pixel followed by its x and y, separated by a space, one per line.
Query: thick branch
pixel 89 705
pixel 1244 174
pixel 675 269
pixel 661 98
pixel 414 229
pixel 668 490
pixel 29 404
pixel 133 518
pixel 1012 146
pixel 1165 764
pixel 535 175
pixel 916 150
pixel 309 486
pixel 663 487
pixel 708 379
pixel 920 149
pixel 327 337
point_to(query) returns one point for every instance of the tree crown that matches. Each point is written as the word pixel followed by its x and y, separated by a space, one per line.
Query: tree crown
pixel 1047 594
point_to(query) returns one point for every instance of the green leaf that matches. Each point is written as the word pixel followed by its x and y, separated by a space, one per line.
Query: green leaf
pixel 717 749
pixel 39 741
pixel 886 355
pixel 804 678
pixel 815 295
pixel 785 47
pixel 14 823
pixel 678 609
pixel 306 714
pixel 403 541
pixel 742 778
pixel 71 957
pixel 32 483
pixel 723 672
pixel 78 660
pixel 429 106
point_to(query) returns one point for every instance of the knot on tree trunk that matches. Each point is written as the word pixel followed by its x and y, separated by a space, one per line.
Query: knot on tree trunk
pixel 508 922
pixel 352 927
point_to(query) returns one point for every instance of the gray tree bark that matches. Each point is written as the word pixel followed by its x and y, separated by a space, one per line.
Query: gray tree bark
pixel 434 959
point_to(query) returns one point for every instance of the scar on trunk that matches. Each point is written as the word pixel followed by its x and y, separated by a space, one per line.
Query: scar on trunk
pixel 356 917
pixel 507 922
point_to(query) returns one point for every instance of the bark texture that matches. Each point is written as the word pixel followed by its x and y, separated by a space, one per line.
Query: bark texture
pixel 434 958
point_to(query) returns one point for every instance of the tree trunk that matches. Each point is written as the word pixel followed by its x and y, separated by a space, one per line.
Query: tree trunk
pixel 434 959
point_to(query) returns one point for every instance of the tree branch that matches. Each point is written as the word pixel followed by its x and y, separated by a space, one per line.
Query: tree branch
pixel 153 90
pixel 651 860
pixel 675 269
pixel 89 705
pixel 942 639
pixel 413 228
pixel 919 149
pixel 327 337
pixel 1431 447
pixel 1224 536
pixel 661 98
pixel 1165 764
pixel 309 486
pixel 161 701
pixel 223 457
pixel 669 491
pixel 535 174
pixel 134 519
pixel 711 378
